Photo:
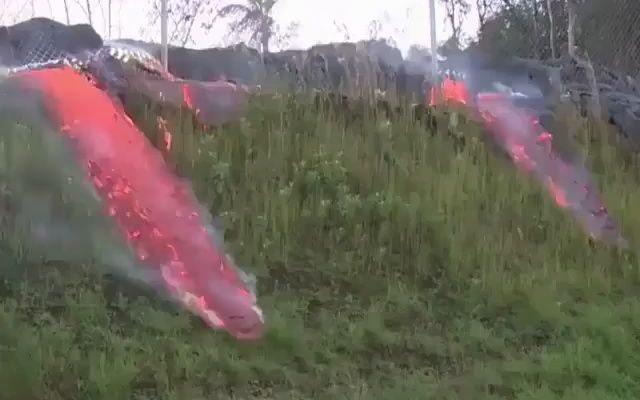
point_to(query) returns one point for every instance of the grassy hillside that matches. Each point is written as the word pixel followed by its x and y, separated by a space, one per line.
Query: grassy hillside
pixel 389 267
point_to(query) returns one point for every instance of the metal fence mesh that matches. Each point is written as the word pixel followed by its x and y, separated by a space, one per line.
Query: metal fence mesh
pixel 608 31
pixel 40 49
pixel 29 47
pixel 605 30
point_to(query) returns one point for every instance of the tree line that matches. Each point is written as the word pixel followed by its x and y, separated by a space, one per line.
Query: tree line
pixel 604 31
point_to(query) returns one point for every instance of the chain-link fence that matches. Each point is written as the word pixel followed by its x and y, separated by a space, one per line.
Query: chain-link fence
pixel 606 31
pixel 36 48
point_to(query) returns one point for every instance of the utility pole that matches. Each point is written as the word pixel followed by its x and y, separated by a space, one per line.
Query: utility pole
pixel 164 11
pixel 434 44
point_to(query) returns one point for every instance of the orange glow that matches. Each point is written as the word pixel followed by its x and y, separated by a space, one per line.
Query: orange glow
pixel 165 140
pixel 451 92
pixel 531 148
pixel 153 209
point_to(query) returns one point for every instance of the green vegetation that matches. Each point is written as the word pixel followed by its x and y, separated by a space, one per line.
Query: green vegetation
pixel 389 264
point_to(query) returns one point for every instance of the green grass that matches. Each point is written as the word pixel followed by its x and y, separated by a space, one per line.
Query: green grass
pixel 389 267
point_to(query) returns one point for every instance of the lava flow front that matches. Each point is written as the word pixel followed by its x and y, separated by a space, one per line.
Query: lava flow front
pixel 153 209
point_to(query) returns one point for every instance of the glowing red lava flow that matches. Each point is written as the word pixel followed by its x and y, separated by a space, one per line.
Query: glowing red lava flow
pixel 153 209
pixel 212 103
pixel 530 147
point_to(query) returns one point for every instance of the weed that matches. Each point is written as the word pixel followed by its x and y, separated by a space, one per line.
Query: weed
pixel 390 265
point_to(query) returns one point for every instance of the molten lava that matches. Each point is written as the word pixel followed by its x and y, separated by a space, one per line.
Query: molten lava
pixel 153 209
pixel 531 149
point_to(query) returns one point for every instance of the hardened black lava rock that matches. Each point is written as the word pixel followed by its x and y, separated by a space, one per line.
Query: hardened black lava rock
pixel 39 40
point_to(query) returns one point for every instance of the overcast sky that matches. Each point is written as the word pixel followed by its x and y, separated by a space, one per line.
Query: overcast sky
pixel 406 21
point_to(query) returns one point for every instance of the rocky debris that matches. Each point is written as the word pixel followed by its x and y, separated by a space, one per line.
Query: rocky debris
pixel 42 39
pixel 346 67
pixel 349 68
pixel 239 63
pixel 619 93
pixel 547 83
pixel 360 68
pixel 286 67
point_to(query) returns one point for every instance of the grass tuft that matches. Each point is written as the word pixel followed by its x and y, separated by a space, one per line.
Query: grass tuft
pixel 390 264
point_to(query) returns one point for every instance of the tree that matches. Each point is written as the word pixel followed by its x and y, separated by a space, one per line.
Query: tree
pixel 183 15
pixel 552 39
pixel 375 28
pixel 254 17
pixel 3 10
pixel 87 10
pixel 508 31
pixel 456 12
pixel 66 12
pixel 485 9
pixel 608 30
pixel 418 53
pixel 284 35
pixel 535 28
pixel 343 30
pixel 517 28
pixel 106 10
pixel 571 27
pixel 583 62
pixel 109 14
